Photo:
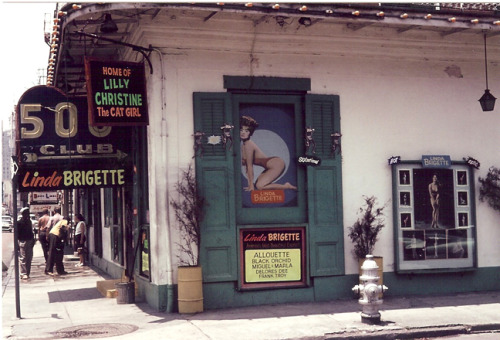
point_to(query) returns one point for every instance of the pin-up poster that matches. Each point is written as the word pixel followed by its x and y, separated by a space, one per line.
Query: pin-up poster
pixel 268 148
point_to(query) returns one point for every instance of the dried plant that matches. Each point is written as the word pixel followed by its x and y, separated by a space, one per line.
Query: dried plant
pixel 364 232
pixel 188 210
pixel 490 188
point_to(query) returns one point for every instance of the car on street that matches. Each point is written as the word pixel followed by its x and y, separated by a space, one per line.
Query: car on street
pixel 7 223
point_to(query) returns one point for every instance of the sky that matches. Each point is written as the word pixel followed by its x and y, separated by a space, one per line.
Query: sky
pixel 24 51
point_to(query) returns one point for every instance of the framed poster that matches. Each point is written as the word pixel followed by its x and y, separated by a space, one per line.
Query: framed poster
pixel 268 167
pixel 270 185
pixel 272 257
pixel 434 215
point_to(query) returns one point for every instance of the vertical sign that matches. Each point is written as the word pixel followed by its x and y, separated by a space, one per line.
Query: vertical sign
pixel 116 93
pixel 272 257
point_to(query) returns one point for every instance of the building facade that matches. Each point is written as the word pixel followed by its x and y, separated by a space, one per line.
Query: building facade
pixel 350 101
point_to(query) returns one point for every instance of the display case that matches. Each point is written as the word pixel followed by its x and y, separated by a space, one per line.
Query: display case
pixel 434 215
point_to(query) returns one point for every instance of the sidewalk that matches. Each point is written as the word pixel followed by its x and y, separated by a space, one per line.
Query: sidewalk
pixel 70 306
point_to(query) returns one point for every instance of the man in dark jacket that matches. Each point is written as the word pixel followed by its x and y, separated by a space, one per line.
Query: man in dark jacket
pixel 26 242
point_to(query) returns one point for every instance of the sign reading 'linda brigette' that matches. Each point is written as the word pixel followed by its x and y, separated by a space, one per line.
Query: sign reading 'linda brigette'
pixel 116 93
pixel 57 148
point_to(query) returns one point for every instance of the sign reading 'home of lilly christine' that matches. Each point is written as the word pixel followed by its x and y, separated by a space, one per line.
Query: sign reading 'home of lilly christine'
pixel 116 93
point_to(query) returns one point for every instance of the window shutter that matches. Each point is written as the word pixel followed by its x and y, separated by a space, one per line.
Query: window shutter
pixel 324 182
pixel 215 179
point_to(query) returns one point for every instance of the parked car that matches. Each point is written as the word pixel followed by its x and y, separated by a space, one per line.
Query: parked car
pixel 7 223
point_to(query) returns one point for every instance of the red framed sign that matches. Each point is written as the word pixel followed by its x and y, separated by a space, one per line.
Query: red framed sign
pixel 272 257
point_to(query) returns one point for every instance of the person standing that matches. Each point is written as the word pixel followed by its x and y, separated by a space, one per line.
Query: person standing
pixel 57 235
pixel 43 233
pixel 26 241
pixel 55 218
pixel 80 232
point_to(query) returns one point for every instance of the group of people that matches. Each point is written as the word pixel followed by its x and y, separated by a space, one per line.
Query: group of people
pixel 52 234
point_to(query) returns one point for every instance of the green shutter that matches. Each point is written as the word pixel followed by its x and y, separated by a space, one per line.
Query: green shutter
pixel 215 178
pixel 324 182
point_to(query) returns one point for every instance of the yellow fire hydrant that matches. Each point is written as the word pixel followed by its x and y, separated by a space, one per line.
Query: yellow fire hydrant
pixel 369 291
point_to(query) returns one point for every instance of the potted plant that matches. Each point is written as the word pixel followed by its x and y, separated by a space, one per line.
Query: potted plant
pixel 364 232
pixel 490 188
pixel 188 209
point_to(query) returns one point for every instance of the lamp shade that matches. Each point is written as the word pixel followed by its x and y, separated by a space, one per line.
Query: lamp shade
pixel 108 26
pixel 487 101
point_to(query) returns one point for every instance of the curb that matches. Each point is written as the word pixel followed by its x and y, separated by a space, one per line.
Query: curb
pixel 413 333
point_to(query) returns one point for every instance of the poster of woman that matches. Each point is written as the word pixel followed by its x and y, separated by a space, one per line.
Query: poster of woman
pixel 433 199
pixel 268 148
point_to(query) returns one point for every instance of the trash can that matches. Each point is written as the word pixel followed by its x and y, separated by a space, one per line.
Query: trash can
pixel 125 292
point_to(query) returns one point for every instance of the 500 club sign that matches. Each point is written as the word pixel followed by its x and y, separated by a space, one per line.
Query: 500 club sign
pixel 57 148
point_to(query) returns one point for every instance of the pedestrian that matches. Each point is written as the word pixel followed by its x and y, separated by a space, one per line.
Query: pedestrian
pixel 80 237
pixel 56 217
pixel 26 241
pixel 43 232
pixel 57 237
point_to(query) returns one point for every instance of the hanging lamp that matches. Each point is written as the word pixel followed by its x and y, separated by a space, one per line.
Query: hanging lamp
pixel 487 101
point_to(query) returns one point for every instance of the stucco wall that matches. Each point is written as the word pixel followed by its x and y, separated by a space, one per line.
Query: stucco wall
pixel 404 94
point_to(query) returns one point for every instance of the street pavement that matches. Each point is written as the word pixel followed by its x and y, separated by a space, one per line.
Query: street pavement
pixel 70 306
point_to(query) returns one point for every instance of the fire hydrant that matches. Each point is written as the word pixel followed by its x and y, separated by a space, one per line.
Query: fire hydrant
pixel 369 291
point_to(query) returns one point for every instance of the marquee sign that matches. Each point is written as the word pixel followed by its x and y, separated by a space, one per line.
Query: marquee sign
pixel 116 93
pixel 272 257
pixel 57 148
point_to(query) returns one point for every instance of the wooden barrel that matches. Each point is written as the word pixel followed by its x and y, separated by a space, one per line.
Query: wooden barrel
pixel 190 290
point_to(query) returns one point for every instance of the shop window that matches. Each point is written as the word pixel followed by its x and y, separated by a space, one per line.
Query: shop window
pixel 144 261
pixel 94 218
pixel 434 217
pixel 113 215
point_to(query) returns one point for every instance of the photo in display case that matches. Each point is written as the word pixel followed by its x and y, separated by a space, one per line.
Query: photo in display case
pixel 433 212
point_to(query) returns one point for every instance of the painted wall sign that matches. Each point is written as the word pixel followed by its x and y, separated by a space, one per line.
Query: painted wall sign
pixel 54 137
pixel 436 161
pixel 116 93
pixel 272 257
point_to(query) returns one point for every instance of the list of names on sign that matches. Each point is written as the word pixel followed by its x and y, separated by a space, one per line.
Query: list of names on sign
pixel 272 256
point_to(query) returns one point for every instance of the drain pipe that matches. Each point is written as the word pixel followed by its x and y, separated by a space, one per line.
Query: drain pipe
pixel 163 159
